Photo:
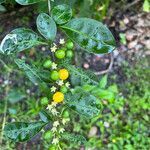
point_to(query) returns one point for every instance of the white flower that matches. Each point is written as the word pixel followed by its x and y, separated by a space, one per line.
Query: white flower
pixel 62 41
pixel 61 130
pixel 49 107
pixel 54 104
pixel 56 123
pixel 53 89
pixel 64 121
pixel 54 129
pixel 54 112
pixel 54 48
pixel 55 141
pixel 54 65
pixel 60 82
pixel 67 84
pixel 106 124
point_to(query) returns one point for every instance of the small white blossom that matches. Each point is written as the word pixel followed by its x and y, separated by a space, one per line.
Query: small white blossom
pixel 54 129
pixel 55 141
pixel 53 89
pixel 56 123
pixel 54 65
pixel 106 124
pixel 54 104
pixel 64 121
pixel 62 41
pixel 67 84
pixel 61 130
pixel 54 48
pixel 49 107
pixel 54 112
pixel 60 82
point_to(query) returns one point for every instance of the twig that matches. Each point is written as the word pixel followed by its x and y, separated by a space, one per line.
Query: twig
pixel 109 68
pixel 49 7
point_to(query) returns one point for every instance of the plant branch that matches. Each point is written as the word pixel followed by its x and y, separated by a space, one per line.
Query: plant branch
pixel 49 7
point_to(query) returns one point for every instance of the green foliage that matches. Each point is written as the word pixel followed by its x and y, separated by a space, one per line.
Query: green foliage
pixel 45 116
pixel 146 6
pixel 27 2
pixel 62 14
pixel 21 131
pixel 46 26
pixel 90 34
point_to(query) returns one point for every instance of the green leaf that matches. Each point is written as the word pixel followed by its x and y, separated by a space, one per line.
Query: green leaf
pixel 44 116
pixel 146 6
pixel 73 138
pixel 90 34
pixel 2 1
pixel 21 131
pixel 15 96
pixel 62 13
pixel 19 40
pixel 2 8
pixel 46 26
pixel 103 82
pixel 31 72
pixel 27 2
pixel 82 102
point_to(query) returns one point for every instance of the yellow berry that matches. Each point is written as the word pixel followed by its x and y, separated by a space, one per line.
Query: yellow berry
pixel 58 97
pixel 63 74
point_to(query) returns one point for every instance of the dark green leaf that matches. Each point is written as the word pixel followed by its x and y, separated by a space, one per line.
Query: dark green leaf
pixel 62 14
pixel 73 138
pixel 19 40
pixel 44 116
pixel 21 131
pixel 27 2
pixel 90 34
pixel 15 96
pixel 82 102
pixel 103 82
pixel 2 1
pixel 2 8
pixel 46 26
pixel 31 72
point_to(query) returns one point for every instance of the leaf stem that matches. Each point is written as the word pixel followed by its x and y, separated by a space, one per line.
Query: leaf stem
pixel 49 7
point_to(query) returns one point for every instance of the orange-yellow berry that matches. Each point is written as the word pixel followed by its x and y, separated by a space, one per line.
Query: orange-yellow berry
pixel 63 74
pixel 58 97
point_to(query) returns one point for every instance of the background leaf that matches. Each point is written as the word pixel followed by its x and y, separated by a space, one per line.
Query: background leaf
pixel 44 116
pixel 90 34
pixel 73 138
pixel 62 14
pixel 103 82
pixel 2 8
pixel 46 26
pixel 19 40
pixel 21 131
pixel 82 102
pixel 27 2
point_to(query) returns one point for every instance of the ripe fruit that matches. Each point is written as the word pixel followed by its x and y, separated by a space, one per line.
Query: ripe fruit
pixel 60 54
pixel 63 89
pixel 47 64
pixel 48 135
pixel 54 75
pixel 70 45
pixel 44 101
pixel 63 74
pixel 58 97
pixel 69 54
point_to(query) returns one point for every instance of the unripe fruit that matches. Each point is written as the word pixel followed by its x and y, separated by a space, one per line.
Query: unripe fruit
pixel 63 89
pixel 48 135
pixel 65 114
pixel 54 75
pixel 69 54
pixel 60 54
pixel 58 97
pixel 70 45
pixel 47 64
pixel 63 74
pixel 52 147
pixel 44 101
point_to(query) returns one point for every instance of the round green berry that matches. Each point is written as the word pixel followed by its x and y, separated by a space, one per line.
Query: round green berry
pixel 69 54
pixel 54 75
pixel 63 89
pixel 70 45
pixel 47 64
pixel 44 101
pixel 48 135
pixel 65 114
pixel 60 54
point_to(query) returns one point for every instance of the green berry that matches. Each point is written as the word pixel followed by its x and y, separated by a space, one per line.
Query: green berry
pixel 52 147
pixel 69 54
pixel 48 135
pixel 60 54
pixel 70 45
pixel 63 89
pixel 65 114
pixel 47 64
pixel 54 75
pixel 44 101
